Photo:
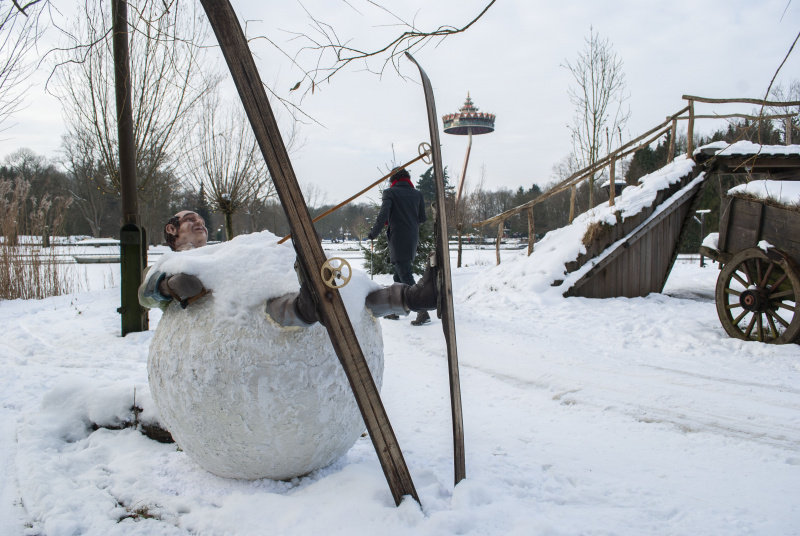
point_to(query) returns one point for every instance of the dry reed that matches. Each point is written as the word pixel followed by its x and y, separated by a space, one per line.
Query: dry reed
pixel 29 269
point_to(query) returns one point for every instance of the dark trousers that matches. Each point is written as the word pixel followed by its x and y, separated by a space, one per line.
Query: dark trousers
pixel 403 273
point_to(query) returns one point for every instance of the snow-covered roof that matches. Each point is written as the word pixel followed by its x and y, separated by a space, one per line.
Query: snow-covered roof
pixel 749 148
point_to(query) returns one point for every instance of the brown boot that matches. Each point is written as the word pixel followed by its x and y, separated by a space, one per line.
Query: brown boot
pixel 422 318
pixel 424 295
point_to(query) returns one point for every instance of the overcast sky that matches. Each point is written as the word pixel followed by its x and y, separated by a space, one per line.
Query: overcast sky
pixel 510 63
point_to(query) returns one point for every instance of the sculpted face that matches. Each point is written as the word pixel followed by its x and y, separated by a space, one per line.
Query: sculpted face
pixel 191 231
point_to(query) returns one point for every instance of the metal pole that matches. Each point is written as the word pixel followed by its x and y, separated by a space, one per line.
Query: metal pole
pixel 133 254
pixel 702 235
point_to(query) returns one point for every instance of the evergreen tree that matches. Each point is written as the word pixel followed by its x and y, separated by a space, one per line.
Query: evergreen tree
pixel 202 206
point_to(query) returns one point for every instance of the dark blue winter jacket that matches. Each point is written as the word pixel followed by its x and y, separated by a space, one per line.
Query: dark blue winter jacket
pixel 403 208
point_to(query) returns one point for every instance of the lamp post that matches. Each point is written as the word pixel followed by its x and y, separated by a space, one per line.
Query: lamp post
pixel 702 222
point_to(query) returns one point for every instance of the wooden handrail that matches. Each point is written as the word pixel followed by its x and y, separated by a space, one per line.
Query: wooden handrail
pixel 743 116
pixel 368 188
pixel 571 180
pixel 740 101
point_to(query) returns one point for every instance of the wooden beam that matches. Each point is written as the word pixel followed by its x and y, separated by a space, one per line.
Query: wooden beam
pixel 760 102
pixel 499 239
pixel 743 116
pixel 690 131
pixel 612 190
pixel 531 231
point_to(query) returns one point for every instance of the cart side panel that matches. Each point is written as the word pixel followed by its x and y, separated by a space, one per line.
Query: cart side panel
pixel 781 228
pixel 744 221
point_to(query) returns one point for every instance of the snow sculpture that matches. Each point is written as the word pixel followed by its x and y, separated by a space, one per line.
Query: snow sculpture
pixel 241 395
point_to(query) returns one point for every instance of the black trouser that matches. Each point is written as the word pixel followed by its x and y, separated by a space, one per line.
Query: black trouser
pixel 403 272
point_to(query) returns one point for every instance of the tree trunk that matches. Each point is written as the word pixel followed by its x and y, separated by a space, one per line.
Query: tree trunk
pixel 228 225
pixel 460 234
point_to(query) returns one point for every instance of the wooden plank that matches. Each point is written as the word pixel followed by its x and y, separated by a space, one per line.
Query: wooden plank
pixel 724 223
pixel 445 308
pixel 633 237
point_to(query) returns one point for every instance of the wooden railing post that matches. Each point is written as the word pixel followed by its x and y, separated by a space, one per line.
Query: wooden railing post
pixel 499 238
pixel 690 131
pixel 531 231
pixel 612 190
pixel 673 133
pixel 572 202
pixel 788 135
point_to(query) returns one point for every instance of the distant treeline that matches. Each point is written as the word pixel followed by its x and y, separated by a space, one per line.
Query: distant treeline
pixel 95 211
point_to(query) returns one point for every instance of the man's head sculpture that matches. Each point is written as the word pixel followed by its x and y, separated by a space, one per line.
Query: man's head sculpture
pixel 185 230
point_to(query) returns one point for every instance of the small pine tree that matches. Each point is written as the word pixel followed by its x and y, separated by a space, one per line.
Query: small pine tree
pixel 377 261
pixel 202 206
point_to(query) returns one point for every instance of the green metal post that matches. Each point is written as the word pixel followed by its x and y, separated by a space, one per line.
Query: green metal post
pixel 133 243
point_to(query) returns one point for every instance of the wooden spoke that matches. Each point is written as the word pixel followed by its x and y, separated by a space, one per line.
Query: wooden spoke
pixel 746 271
pixel 744 283
pixel 775 315
pixel 750 327
pixel 772 326
pixel 782 294
pixel 780 280
pixel 766 276
pixel 731 291
pixel 739 318
pixel 784 306
pixel 760 327
pixel 735 305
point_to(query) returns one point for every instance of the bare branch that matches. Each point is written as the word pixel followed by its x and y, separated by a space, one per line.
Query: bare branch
pixel 342 53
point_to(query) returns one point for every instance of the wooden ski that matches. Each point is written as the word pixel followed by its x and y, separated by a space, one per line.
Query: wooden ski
pixel 444 307
pixel 307 244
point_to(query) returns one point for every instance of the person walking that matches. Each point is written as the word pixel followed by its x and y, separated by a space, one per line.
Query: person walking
pixel 402 211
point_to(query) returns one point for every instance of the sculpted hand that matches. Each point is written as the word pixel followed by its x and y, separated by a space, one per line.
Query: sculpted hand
pixel 184 287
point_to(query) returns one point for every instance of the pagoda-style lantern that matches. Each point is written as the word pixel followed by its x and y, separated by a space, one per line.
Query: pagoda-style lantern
pixel 466 122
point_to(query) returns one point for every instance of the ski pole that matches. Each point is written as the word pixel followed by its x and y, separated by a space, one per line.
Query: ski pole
pixel 424 149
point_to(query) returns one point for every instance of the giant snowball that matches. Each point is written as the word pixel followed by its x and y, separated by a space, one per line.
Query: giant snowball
pixel 241 395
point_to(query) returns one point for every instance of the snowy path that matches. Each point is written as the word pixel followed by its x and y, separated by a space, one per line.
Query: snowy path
pixel 621 416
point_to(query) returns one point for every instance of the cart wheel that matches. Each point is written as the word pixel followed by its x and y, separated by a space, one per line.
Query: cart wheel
pixel 757 295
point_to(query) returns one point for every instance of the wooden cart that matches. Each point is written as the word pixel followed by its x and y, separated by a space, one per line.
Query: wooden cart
pixel 758 288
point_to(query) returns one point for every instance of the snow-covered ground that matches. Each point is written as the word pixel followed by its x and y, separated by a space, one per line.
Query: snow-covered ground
pixel 618 416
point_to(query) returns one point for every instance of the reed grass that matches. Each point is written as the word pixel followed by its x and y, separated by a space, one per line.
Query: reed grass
pixel 28 268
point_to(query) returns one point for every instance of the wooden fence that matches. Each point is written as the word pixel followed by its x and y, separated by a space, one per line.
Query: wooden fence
pixel 669 125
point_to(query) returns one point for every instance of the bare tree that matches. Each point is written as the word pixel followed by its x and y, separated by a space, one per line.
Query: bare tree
pixel 227 161
pixel 20 26
pixel 789 125
pixel 599 96
pixel 87 183
pixel 169 79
